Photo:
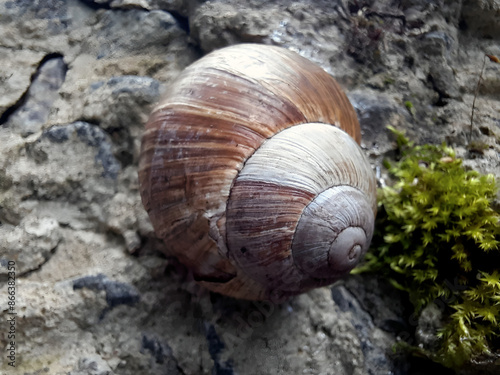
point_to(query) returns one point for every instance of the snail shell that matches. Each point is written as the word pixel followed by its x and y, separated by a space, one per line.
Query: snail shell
pixel 251 173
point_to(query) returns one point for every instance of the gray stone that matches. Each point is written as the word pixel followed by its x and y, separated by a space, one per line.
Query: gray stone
pixel 482 17
pixel 89 135
pixel 16 71
pixel 53 12
pixel 429 323
pixel 215 348
pixel 30 244
pixel 374 343
pixel 103 4
pixel 71 163
pixel 375 112
pixel 444 82
pixel 385 305
pixel 216 25
pixel 258 337
pixel 162 354
pixel 122 105
pixel 117 293
pixel 134 31
pixel 93 365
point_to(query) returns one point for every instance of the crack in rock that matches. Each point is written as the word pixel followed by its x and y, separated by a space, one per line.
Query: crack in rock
pixel 117 293
pixel 31 111
pixel 32 244
pixel 162 354
pixel 215 347
pixel 182 20
pixel 376 360
pixel 97 4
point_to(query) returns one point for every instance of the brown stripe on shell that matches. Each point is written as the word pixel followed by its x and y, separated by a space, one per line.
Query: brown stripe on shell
pixel 290 77
pixel 260 223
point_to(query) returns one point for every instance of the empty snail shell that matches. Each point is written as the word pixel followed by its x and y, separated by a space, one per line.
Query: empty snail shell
pixel 251 173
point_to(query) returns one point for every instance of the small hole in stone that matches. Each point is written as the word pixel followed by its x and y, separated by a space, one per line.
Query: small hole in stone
pixel 485 130
pixel 243 250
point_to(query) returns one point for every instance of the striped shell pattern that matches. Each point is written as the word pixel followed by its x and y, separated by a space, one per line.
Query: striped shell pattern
pixel 252 175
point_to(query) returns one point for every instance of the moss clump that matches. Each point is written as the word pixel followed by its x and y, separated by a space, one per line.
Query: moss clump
pixel 437 237
pixel 409 106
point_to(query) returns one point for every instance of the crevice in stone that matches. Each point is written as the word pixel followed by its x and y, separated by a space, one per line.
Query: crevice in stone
pixel 442 96
pixel 20 102
pixel 215 348
pixel 106 5
pixel 182 21
pixel 96 5
pixel 364 325
pixel 117 293
pixel 4 118
pixel 37 269
pixel 162 354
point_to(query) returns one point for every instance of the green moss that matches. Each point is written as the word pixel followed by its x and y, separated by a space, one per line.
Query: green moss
pixel 388 80
pixel 409 106
pixel 477 146
pixel 437 237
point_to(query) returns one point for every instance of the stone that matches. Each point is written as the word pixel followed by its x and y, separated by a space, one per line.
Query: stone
pixel 134 31
pixel 375 112
pixel 89 136
pixel 70 163
pixel 215 347
pixel 117 293
pixel 34 111
pixel 162 354
pixel 92 365
pixel 257 337
pixel 482 17
pixel 122 105
pixel 123 215
pixel 170 5
pixel 429 323
pixel 372 339
pixel 444 82
pixel 216 25
pixel 16 71
pixel 30 244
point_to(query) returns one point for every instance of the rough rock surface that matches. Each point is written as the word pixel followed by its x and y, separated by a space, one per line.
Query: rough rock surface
pixel 94 295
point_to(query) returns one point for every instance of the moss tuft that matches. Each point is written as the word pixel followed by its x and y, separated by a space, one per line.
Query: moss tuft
pixel 437 238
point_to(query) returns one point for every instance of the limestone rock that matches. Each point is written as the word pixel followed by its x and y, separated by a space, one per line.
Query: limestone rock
pixel 43 91
pixel 482 17
pixel 375 112
pixel 16 71
pixel 122 105
pixel 71 163
pixel 30 244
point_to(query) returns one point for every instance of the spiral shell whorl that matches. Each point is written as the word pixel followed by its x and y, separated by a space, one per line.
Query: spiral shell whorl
pixel 333 233
pixel 291 202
